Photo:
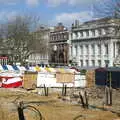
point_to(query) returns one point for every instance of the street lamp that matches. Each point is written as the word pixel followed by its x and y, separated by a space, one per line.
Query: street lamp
pixel 55 49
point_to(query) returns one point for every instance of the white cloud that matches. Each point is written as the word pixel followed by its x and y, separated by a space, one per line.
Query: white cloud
pixel 70 2
pixel 69 18
pixel 32 2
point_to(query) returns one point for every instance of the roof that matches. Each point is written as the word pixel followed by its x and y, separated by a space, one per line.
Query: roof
pixel 108 21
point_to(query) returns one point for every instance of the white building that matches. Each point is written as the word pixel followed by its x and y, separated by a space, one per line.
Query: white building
pixel 94 43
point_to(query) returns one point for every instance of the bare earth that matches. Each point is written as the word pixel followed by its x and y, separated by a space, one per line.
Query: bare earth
pixel 51 107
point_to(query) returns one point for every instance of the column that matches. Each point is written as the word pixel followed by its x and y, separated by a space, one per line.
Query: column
pixel 110 53
pixel 89 55
pixel 90 33
pixel 79 35
pixel 73 51
pixel 84 53
pixel 73 36
pixel 96 55
pixel 116 49
pixel 69 42
pixel 102 55
pixel 78 54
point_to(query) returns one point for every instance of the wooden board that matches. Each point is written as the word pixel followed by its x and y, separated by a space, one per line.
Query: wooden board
pixel 30 80
pixel 65 77
pixel 90 78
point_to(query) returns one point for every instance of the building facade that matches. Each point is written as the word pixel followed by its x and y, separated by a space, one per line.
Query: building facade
pixel 94 43
pixel 59 45
pixel 38 57
pixel 6 56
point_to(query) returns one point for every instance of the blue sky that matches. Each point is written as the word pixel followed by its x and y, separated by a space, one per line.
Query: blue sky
pixel 50 11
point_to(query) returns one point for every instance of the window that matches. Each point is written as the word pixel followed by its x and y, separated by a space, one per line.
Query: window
pixel 86 62
pixel 93 32
pixel 81 62
pixel 106 63
pixel 58 37
pixel 99 32
pixel 99 63
pixel 103 31
pixel 93 49
pixel 76 50
pixel 87 52
pixel 99 49
pixel 106 49
pixel 93 63
pixel 55 37
pixel 76 34
pixel 81 49
pixel 81 33
pixel 87 33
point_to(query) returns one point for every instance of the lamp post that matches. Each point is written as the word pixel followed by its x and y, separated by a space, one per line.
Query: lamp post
pixel 55 53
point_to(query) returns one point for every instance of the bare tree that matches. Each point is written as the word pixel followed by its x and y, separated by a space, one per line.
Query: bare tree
pixel 19 37
pixel 107 8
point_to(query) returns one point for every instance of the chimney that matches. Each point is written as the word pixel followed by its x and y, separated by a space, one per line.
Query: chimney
pixel 76 23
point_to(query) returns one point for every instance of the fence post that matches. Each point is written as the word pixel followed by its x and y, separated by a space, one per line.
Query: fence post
pixel 110 90
pixel 20 111
pixel 86 99
pixel 45 89
pixel 82 100
pixel 63 90
pixel 106 96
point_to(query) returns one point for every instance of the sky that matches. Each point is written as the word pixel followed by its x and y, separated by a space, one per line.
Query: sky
pixel 50 11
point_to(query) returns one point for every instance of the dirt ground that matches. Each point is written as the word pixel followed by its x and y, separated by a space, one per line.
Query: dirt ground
pixel 51 107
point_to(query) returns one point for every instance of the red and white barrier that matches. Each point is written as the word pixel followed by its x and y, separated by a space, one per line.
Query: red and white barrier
pixel 11 82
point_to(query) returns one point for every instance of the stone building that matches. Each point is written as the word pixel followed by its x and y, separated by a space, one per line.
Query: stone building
pixel 58 45
pixel 38 57
pixel 95 43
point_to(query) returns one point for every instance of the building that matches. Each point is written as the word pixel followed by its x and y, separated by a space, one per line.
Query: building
pixel 95 43
pixel 59 46
pixel 5 56
pixel 40 56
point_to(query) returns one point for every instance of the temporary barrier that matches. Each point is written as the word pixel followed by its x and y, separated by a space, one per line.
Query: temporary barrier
pixel 100 76
pixel 90 78
pixel 80 80
pixel 109 76
pixel 59 77
pixel 30 80
pixel 113 79
pixel 10 79
pixel 65 77
pixel 11 82
pixel 47 79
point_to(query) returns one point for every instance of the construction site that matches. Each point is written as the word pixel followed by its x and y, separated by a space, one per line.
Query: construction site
pixel 59 93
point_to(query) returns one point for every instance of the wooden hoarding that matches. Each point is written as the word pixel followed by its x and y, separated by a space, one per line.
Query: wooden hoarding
pixel 65 77
pixel 30 80
pixel 90 78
